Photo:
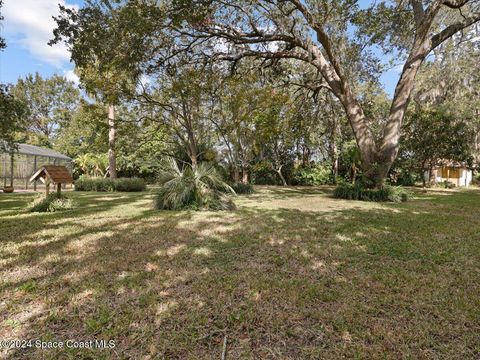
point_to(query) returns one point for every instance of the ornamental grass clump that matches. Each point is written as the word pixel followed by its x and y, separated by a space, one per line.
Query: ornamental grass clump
pixel 201 188
pixel 52 203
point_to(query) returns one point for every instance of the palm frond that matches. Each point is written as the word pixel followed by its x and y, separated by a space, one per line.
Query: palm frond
pixel 196 188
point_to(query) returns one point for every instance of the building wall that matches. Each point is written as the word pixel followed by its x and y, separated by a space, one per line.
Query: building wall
pixel 465 178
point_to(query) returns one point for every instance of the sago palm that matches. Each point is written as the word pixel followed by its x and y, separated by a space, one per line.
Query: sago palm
pixel 200 188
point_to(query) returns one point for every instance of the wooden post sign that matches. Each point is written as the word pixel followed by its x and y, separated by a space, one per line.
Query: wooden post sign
pixel 55 174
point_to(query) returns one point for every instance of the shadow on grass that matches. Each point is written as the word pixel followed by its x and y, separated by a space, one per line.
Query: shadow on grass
pixel 280 283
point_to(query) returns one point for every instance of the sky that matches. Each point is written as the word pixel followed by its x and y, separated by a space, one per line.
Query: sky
pixel 27 28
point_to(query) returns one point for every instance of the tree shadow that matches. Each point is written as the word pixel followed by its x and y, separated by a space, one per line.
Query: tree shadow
pixel 280 283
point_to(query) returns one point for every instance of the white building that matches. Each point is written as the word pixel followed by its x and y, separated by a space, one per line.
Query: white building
pixel 455 172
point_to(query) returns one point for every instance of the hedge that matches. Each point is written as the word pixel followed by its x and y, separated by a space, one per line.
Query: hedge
pixel 386 193
pixel 108 185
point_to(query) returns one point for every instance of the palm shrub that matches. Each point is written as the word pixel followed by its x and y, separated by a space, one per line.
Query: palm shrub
pixel 91 164
pixel 200 188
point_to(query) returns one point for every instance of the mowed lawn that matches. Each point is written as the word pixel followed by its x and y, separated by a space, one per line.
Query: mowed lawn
pixel 292 274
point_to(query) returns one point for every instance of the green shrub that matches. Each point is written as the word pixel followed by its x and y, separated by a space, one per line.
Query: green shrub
pixel 52 203
pixel 476 180
pixel 107 184
pixel 202 188
pixel 94 184
pixel 446 184
pixel 82 184
pixel 263 174
pixel 241 188
pixel 386 193
pixel 407 178
pixel 313 175
pixel 129 184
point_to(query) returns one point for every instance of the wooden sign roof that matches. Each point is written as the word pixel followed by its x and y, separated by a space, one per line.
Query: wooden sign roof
pixel 54 173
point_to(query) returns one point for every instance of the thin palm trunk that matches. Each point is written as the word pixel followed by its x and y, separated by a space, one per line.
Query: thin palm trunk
pixel 112 157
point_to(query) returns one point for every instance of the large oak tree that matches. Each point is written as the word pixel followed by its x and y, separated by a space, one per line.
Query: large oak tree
pixel 336 37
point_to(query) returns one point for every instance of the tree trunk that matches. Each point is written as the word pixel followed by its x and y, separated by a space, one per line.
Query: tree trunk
pixel 306 156
pixel 244 174
pixel 236 174
pixel 377 158
pixel 390 144
pixel 335 169
pixel 234 160
pixel 112 157
pixel 192 147
pixel 476 144
pixel 431 177
pixel 279 172
pixel 423 170
pixel 333 140
pixel 194 160
pixel 12 170
pixel 334 155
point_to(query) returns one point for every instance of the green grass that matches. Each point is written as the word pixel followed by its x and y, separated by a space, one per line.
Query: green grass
pixel 292 274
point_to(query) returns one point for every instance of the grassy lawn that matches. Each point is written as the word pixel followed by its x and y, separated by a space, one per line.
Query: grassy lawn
pixel 293 274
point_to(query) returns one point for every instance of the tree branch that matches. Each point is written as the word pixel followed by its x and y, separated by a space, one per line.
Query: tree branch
pixel 322 36
pixel 263 54
pixel 450 30
pixel 418 12
pixel 454 4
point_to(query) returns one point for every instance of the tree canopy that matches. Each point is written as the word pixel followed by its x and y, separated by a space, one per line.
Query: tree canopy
pixel 337 39
pixel 51 102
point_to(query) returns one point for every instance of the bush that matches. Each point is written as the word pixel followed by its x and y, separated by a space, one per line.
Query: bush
pixel 107 184
pixel 406 178
pixel 129 184
pixel 476 180
pixel 446 184
pixel 313 175
pixel 52 203
pixel 94 184
pixel 241 188
pixel 263 174
pixel 202 188
pixel 357 192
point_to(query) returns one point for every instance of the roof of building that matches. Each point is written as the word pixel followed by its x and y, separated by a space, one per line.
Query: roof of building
pixel 26 149
pixel 55 173
pixel 455 164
